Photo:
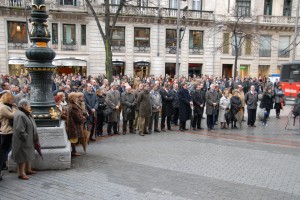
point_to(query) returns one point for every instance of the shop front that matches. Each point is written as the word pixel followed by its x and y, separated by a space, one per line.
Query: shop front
pixel 244 71
pixel 263 70
pixel 170 69
pixel 118 68
pixel 70 66
pixel 16 66
pixel 227 70
pixel 195 69
pixel 141 68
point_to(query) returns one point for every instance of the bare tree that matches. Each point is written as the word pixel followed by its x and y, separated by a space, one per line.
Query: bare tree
pixel 238 31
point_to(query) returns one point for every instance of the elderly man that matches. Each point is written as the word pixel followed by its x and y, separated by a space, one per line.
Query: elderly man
pixel 167 107
pixel 22 95
pixel 242 97
pixel 136 94
pixel 145 110
pixel 91 103
pixel 212 103
pixel 251 99
pixel 175 104
pixel 128 103
pixel 113 102
pixel 156 106
pixel 185 103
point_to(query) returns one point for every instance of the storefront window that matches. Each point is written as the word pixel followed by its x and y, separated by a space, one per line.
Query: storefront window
pixel 118 36
pixel 17 32
pixel 69 34
pixel 142 37
pixel 141 69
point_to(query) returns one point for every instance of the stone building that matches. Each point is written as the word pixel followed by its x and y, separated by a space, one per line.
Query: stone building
pixel 145 38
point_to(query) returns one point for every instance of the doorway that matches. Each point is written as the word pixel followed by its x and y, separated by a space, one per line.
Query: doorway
pixel 263 70
pixel 170 69
pixel 118 68
pixel 141 69
pixel 195 69
pixel 227 70
pixel 244 71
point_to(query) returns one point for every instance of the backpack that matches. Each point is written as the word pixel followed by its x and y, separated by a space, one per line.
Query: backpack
pixel 296 110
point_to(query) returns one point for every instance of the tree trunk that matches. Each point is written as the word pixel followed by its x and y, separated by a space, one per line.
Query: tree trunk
pixel 235 62
pixel 108 61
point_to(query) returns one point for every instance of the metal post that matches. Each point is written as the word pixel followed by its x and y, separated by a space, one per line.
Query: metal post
pixel 178 39
pixel 296 32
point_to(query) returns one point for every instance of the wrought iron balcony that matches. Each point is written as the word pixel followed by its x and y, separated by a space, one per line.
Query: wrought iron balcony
pixel 69 46
pixel 17 45
pixel 189 14
pixel 141 49
pixel 276 20
pixel 118 48
pixel 171 49
pixel 70 5
pixel 196 51
pixel 133 10
pixel 15 3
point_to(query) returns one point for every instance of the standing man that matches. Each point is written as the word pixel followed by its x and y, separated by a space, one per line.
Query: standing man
pixel 251 101
pixel 198 102
pixel 91 103
pixel 175 104
pixel 156 107
pixel 145 110
pixel 22 95
pixel 185 103
pixel 167 107
pixel 212 103
pixel 113 102
pixel 128 104
pixel 136 94
pixel 242 97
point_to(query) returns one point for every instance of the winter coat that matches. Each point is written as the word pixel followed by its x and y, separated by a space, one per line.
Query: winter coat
pixel 155 99
pixel 144 104
pixel 91 102
pixel 235 105
pixel 128 104
pixel 101 105
pixel 184 104
pixel 24 137
pixel 251 100
pixel 198 99
pixel 224 104
pixel 267 101
pixel 176 101
pixel 242 97
pixel 136 95
pixel 6 119
pixel 75 120
pixel 211 97
pixel 167 102
pixel 278 94
pixel 112 100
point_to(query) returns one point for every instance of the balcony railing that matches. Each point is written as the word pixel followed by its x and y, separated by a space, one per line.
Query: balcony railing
pixel 133 10
pixel 61 5
pixel 189 14
pixel 118 48
pixel 284 20
pixel 142 49
pixel 196 51
pixel 15 3
pixel 69 47
pixel 17 45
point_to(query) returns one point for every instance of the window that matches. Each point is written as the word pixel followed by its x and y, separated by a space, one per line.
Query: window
pixel 69 34
pixel 173 4
pixel 68 2
pixel 54 33
pixel 171 37
pixel 196 40
pixel 83 35
pixel 265 46
pixel 226 43
pixel 239 39
pixel 287 8
pixel 142 37
pixel 268 7
pixel 118 36
pixel 248 45
pixel 243 8
pixel 115 2
pixel 143 3
pixel 197 4
pixel 17 32
pixel 284 42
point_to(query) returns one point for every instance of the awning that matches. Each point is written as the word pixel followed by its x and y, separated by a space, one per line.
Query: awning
pixel 69 62
pixel 141 63
pixel 17 61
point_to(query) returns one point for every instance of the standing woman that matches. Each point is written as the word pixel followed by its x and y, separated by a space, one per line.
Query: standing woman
pixel 24 138
pixel 278 100
pixel 224 106
pixel 267 104
pixel 100 112
pixel 6 118
pixel 235 106
pixel 75 120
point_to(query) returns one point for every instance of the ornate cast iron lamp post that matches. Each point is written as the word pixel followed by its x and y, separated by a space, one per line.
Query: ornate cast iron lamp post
pixel 40 68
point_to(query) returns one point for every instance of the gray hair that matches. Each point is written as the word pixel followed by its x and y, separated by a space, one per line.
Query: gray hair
pixel 23 102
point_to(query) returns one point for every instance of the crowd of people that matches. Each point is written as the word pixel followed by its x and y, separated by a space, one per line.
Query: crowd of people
pixel 142 105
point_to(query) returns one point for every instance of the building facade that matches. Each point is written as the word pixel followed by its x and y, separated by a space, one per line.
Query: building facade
pixel 145 36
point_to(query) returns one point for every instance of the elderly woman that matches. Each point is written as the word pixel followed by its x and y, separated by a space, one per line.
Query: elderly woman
pixel 235 106
pixel 63 102
pixel 224 106
pixel 100 112
pixel 6 118
pixel 75 120
pixel 60 108
pixel 24 138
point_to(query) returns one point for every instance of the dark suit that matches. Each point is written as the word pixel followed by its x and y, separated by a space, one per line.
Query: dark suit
pixel 167 107
pixel 198 102
pixel 91 102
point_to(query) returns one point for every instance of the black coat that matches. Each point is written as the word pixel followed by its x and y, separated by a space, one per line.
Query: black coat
pixel 198 98
pixel 167 99
pixel 129 103
pixel 235 104
pixel 176 101
pixel 184 105
pixel 101 105
pixel 267 101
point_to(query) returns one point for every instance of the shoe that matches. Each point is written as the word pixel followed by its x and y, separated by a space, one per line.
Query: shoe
pixel 209 129
pixel 99 135
pixel 253 125
pixel 163 130
pixel 141 134
pixel 150 131
pixel 31 172
pixel 249 126
pixel 156 130
pixel 75 154
pixel 147 133
pixel 169 129
pixel 200 128
pixel 194 129
pixel 132 131
pixel 92 139
pixel 124 133
pixel 23 177
pixel 266 124
pixel 109 134
pixel 181 129
pixel 116 133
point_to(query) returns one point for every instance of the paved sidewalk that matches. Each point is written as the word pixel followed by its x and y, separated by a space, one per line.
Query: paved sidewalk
pixel 249 163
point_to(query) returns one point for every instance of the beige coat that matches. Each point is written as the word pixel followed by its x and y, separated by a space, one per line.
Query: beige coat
pixel 242 97
pixel 112 100
pixel 6 119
